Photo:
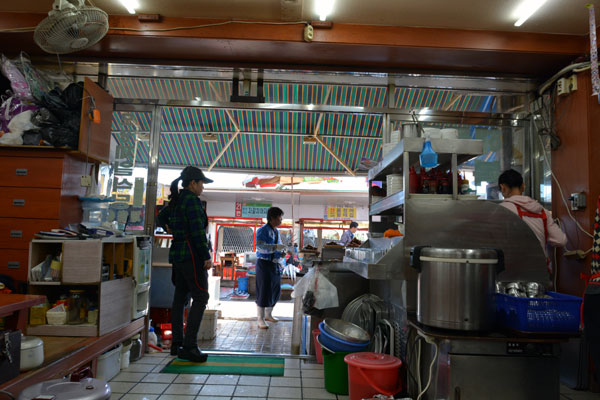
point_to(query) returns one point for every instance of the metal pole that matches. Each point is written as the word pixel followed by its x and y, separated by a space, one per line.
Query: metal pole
pixel 330 151
pixel 152 184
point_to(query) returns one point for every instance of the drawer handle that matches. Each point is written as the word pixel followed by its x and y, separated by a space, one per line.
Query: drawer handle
pixel 16 234
pixel 14 264
pixel 22 171
pixel 18 202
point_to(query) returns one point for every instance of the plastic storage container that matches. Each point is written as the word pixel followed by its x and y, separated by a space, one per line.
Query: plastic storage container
pixel 243 284
pixel 95 211
pixel 561 313
pixel 126 354
pixel 372 373
pixel 208 326
pixel 109 364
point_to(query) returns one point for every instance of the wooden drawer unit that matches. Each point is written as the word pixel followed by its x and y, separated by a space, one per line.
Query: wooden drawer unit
pixel 16 233
pixel 31 172
pixel 30 203
pixel 14 263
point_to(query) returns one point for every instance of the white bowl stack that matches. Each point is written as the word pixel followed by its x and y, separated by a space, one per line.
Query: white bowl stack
pixel 394 184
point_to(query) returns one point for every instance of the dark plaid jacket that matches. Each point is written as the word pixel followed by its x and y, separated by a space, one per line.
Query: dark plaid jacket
pixel 188 222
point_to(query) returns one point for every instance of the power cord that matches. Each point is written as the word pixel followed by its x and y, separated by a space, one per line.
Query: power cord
pixel 435 355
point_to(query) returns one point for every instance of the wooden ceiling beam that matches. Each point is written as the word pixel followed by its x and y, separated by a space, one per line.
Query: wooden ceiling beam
pixel 362 47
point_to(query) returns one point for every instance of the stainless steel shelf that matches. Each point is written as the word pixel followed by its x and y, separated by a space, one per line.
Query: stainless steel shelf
pixel 389 205
pixel 372 271
pixel 392 162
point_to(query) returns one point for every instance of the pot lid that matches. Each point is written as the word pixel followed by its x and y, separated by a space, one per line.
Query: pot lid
pixel 372 360
pixel 469 254
pixel 30 342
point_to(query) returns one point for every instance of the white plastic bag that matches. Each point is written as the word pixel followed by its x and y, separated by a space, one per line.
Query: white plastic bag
pixel 316 291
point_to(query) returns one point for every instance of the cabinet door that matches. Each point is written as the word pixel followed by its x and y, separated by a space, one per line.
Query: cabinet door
pixel 14 264
pixel 15 233
pixel 116 299
pixel 31 172
pixel 29 203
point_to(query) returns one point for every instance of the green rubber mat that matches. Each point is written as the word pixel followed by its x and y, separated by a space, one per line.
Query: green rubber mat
pixel 225 365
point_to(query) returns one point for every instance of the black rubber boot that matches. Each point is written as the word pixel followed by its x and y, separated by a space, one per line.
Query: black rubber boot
pixel 175 348
pixel 192 354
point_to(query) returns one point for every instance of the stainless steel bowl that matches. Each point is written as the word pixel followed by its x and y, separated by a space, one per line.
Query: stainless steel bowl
pixel 346 330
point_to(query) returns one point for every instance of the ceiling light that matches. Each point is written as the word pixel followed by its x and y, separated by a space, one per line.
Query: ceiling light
pixel 323 8
pixel 210 138
pixel 526 10
pixel 309 140
pixel 130 5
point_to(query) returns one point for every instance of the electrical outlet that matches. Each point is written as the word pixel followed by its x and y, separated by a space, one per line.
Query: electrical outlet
pixel 562 86
pixel 573 83
pixel 309 33
pixel 86 181
pixel 577 201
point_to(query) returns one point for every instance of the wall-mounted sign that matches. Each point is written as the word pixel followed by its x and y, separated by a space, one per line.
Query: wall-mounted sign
pixel 254 210
pixel 238 209
pixel 340 212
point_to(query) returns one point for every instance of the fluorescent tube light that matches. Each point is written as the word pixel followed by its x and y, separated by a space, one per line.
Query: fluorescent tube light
pixel 527 9
pixel 210 138
pixel 130 5
pixel 323 8
pixel 309 140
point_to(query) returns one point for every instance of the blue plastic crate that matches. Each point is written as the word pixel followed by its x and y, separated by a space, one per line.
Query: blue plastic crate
pixel 561 313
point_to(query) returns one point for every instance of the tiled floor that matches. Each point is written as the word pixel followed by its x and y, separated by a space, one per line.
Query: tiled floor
pixel 234 335
pixel 142 380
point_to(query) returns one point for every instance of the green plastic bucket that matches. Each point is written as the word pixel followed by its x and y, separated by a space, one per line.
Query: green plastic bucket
pixel 335 371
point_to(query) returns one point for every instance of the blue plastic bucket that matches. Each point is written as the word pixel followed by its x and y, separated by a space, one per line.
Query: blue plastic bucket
pixel 338 345
pixel 243 284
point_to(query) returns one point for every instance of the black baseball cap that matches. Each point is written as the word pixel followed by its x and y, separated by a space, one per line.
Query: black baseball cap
pixel 190 173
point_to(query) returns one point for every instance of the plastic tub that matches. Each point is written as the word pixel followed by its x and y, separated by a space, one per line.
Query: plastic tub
pixel 208 325
pixel 95 210
pixel 109 364
pixel 338 345
pixel 125 359
pixel 335 372
pixel 315 333
pixel 372 373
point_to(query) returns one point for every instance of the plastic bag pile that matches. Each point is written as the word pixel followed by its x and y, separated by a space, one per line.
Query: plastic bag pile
pixel 34 109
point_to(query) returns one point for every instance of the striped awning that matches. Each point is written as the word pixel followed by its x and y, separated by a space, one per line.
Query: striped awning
pixel 270 139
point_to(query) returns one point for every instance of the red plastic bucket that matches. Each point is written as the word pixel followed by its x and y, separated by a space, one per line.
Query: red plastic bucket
pixel 372 373
pixel 318 352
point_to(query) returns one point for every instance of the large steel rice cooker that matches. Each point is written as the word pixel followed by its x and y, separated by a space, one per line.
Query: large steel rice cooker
pixel 456 287
pixel 77 387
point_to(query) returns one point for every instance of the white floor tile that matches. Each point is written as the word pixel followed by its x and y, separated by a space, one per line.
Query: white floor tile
pixel 292 363
pixel 251 391
pixel 285 392
pixel 175 397
pixel 131 396
pixel 317 393
pixel 212 398
pixel 158 368
pixel 183 388
pixel 223 380
pixel 191 378
pixel 149 388
pixel 217 390
pixel 313 383
pixel 291 373
pixel 250 380
pixel 140 367
pixel 159 378
pixel 121 387
pixel 247 398
pixel 148 360
pixel 312 373
pixel 129 377
pixel 116 396
pixel 307 365
pixel 280 381
pixel 162 354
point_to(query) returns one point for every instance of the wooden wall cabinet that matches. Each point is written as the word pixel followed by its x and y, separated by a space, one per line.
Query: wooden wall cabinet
pixel 40 186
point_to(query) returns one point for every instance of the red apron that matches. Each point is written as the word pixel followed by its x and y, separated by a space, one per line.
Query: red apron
pixel 544 218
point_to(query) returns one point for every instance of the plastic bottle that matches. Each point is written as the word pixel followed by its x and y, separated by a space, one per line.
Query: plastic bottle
pixel 152 338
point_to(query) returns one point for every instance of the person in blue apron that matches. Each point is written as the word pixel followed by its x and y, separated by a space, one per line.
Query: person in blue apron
pixel 268 274
pixel 531 212
pixel 190 257
pixel 348 236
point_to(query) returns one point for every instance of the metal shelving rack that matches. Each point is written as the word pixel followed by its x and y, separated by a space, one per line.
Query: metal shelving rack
pixel 451 153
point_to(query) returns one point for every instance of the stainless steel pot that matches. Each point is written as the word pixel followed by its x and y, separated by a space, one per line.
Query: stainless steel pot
pixel 455 289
